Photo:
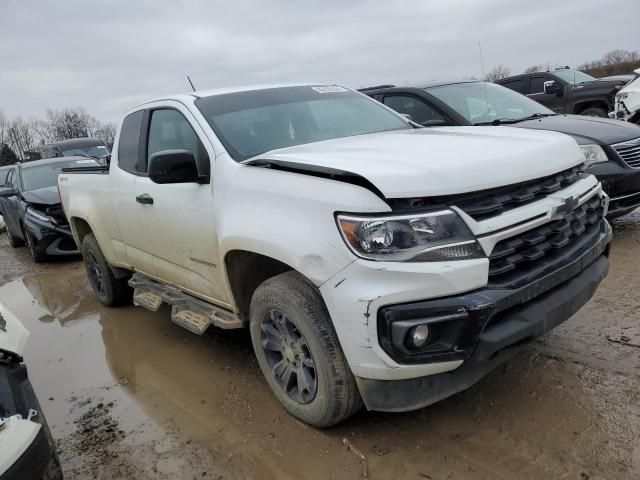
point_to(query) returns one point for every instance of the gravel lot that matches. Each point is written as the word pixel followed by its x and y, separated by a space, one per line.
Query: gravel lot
pixel 130 395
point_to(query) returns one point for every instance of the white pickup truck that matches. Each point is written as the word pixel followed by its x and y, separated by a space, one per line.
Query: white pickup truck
pixel 372 260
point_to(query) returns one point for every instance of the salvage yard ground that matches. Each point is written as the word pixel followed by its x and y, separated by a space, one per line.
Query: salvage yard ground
pixel 130 395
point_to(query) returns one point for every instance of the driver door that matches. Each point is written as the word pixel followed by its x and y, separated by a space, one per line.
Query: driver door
pixel 535 91
pixel 178 219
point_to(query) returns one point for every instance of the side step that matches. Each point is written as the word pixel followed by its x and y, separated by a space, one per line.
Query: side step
pixel 187 311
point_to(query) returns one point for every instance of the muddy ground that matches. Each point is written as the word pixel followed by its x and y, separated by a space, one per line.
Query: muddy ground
pixel 130 395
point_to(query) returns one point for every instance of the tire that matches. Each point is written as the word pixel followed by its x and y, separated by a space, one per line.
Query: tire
pixel 594 112
pixel 111 291
pixel 286 309
pixel 14 242
pixel 37 255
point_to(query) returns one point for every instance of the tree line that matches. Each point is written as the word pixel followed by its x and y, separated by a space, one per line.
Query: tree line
pixel 20 137
pixel 613 62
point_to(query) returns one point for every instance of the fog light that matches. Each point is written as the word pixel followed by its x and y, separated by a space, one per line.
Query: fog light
pixel 420 335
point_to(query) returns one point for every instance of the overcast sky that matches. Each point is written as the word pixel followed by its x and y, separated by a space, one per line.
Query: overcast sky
pixel 111 55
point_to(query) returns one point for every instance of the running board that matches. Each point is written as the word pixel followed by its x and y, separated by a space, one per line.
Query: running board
pixel 187 311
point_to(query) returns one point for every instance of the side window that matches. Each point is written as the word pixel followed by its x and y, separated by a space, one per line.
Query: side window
pixel 419 111
pixel 3 177
pixel 536 84
pixel 517 85
pixel 9 181
pixel 129 144
pixel 170 130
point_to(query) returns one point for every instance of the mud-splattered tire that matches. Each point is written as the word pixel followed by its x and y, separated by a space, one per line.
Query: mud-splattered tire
pixel 290 323
pixel 37 254
pixel 594 112
pixel 111 291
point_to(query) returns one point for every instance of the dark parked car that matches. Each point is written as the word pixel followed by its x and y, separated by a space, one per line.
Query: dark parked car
pixel 83 147
pixel 30 205
pixel 612 148
pixel 567 91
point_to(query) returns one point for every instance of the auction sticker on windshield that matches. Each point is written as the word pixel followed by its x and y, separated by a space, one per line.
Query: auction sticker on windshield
pixel 329 89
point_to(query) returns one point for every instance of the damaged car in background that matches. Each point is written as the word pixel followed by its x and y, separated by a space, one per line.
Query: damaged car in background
pixel 627 104
pixel 30 203
pixel 373 260
pixel 611 149
pixel 27 449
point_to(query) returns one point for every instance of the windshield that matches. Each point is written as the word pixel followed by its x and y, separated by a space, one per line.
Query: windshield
pixel 44 176
pixel 484 102
pixel 253 122
pixel 96 151
pixel 573 76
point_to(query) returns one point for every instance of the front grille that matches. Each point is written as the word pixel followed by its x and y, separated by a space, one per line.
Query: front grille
pixel 489 203
pixel 629 151
pixel 525 257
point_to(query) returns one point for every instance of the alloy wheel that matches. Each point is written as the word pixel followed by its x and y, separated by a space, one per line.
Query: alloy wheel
pixel 289 357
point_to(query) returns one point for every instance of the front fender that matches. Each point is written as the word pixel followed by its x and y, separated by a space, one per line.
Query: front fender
pixel 287 216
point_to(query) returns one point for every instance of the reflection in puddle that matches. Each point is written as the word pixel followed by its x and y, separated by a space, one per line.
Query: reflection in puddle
pixel 518 421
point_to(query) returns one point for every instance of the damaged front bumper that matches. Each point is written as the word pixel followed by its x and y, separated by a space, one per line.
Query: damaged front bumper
pixel 53 240
pixel 497 325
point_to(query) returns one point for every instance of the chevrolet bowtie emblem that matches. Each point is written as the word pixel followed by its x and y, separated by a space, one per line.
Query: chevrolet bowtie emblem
pixel 569 205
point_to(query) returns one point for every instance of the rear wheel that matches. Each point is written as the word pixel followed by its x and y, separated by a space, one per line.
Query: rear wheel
pixel 111 291
pixel 299 353
pixel 37 254
pixel 594 112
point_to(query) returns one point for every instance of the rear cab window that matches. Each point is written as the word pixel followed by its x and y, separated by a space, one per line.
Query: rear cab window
pixel 129 157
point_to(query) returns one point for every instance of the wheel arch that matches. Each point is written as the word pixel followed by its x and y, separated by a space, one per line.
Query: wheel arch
pixel 245 271
pixel 593 103
pixel 80 229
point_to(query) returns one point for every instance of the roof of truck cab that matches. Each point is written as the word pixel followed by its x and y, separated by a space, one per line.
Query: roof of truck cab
pixel 49 161
pixel 225 90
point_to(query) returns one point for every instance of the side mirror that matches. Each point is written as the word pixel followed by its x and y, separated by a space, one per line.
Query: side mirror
pixel 8 192
pixel 552 88
pixel 173 166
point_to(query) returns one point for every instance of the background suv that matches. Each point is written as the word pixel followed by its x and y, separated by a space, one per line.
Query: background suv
pixel 567 91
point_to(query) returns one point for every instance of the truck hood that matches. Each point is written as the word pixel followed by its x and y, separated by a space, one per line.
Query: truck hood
pixel 436 161
pixel 43 196
pixel 13 334
pixel 586 130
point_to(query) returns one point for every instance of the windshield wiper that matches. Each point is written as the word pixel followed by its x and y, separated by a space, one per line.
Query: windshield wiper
pixel 509 121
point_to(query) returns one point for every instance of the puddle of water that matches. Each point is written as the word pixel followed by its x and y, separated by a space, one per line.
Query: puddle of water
pixel 532 419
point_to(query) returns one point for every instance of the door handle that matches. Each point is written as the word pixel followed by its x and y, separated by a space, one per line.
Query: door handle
pixel 145 199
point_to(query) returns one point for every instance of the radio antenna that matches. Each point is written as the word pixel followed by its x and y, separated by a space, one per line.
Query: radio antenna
pixel 484 78
pixel 191 83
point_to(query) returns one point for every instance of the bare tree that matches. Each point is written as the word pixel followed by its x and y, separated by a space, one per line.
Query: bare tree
pixel 22 137
pixel 497 73
pixel 107 133
pixel 540 67
pixel 4 129
pixel 70 123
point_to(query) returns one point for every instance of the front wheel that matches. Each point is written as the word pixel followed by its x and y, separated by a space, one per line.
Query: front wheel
pixel 299 353
pixel 13 241
pixel 111 291
pixel 37 254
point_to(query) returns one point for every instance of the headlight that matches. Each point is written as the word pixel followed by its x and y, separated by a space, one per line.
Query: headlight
pixel 429 237
pixel 593 154
pixel 40 216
